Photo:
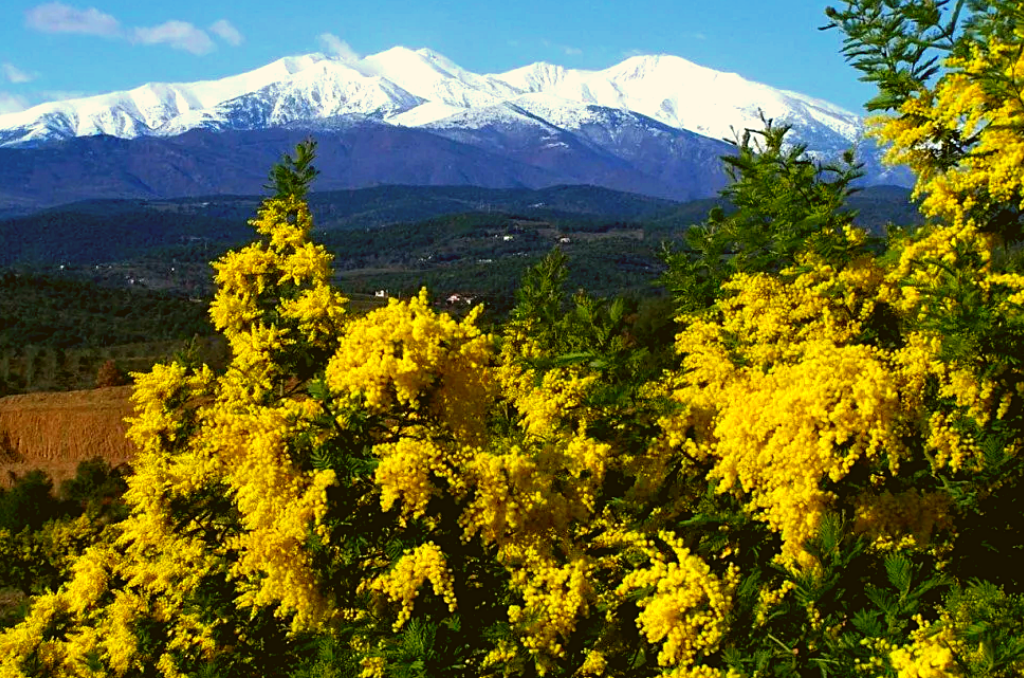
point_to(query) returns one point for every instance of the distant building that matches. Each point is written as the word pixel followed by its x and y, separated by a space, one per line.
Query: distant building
pixel 459 299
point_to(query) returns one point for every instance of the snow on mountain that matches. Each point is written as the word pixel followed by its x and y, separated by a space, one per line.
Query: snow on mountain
pixel 683 95
pixel 425 114
pixel 434 78
pixel 395 82
pixel 646 109
pixel 322 90
pixel 142 111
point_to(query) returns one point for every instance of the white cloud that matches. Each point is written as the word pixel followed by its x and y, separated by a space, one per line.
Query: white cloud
pixel 227 32
pixel 14 74
pixel 338 47
pixel 56 17
pixel 572 51
pixel 12 103
pixel 178 34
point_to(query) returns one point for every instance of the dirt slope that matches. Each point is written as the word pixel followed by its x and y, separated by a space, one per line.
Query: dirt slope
pixel 55 431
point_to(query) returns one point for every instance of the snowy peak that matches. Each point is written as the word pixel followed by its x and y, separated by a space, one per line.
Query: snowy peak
pixel 646 67
pixel 431 77
pixel 538 77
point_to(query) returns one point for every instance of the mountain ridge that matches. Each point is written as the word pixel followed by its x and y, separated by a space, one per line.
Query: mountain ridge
pixel 650 124
pixel 394 82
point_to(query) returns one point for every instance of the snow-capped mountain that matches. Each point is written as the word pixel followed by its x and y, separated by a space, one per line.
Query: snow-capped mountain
pixel 651 124
pixel 420 87
pixel 143 111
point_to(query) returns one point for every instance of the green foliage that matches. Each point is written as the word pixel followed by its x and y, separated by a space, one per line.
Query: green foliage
pixel 28 504
pixel 96 488
pixel 66 314
pixel 992 623
pixel 897 44
pixel 784 203
pixel 41 532
pixel 326 657
pixel 624 341
pixel 292 176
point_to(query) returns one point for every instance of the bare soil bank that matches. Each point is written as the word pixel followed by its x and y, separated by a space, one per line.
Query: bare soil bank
pixel 55 431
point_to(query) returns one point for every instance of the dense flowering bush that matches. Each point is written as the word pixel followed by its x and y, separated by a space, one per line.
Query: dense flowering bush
pixel 822 478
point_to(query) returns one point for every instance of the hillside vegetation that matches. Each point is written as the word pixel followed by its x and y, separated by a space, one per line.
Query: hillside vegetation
pixel 811 465
pixel 394 238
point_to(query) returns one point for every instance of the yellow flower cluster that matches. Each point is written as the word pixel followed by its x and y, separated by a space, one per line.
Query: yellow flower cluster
pixel 794 402
pixel 555 598
pixel 277 503
pixel 516 494
pixel 548 404
pixel 407 356
pixel 768 320
pixel 29 637
pixel 949 446
pixel 408 468
pixel 402 584
pixel 197 434
pixel 688 608
pixel 295 274
pixel 962 106
pixel 778 393
pixel 780 434
pixel 768 598
pixel 930 654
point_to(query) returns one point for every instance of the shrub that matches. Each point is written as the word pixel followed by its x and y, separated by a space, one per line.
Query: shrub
pixel 110 374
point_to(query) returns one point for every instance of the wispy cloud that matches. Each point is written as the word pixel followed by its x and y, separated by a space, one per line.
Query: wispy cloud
pixel 696 36
pixel 227 32
pixel 634 52
pixel 56 17
pixel 13 74
pixel 12 103
pixel 565 49
pixel 338 47
pixel 177 34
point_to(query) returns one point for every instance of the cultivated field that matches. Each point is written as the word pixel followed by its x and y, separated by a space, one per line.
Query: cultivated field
pixel 56 431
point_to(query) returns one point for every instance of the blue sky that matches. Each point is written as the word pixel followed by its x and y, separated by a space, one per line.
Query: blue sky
pixel 55 50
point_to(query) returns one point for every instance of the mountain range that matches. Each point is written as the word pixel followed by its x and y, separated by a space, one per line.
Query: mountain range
pixel 651 125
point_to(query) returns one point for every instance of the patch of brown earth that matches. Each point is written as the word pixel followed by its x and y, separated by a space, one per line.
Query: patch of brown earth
pixel 55 431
